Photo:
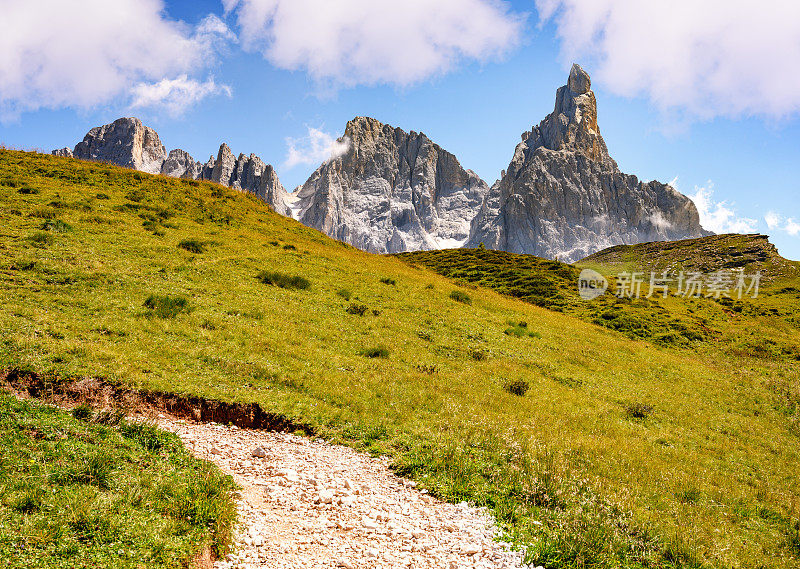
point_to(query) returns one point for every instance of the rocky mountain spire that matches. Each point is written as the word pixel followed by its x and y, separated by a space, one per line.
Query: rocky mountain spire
pixel 391 191
pixel 564 197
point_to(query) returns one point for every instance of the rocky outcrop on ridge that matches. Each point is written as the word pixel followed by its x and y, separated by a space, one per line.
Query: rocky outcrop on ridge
pixel 391 191
pixel 127 142
pixel 564 197
pixel 63 152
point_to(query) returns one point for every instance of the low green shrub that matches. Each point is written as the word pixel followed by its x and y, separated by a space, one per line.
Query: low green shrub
pixel 519 330
pixel 357 309
pixel 193 245
pixel 344 293
pixel 516 386
pixel 166 306
pixel 460 296
pixel 379 351
pixel 82 412
pixel 28 190
pixel 388 281
pixel 638 410
pixel 283 280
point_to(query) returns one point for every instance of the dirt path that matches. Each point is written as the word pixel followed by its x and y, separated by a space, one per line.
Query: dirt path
pixel 307 504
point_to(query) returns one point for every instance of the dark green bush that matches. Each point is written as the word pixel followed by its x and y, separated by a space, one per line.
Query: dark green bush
pixel 637 410
pixel 380 351
pixel 82 412
pixel 28 190
pixel 388 281
pixel 193 245
pixel 356 308
pixel 290 247
pixel 166 306
pixel 344 293
pixel 102 196
pixel 516 386
pixel 283 280
pixel 460 296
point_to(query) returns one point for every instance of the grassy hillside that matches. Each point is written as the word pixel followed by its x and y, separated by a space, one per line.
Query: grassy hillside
pixel 87 491
pixel 592 448
pixel 705 254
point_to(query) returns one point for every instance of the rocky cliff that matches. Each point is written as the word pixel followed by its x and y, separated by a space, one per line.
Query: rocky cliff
pixel 391 191
pixel 129 143
pixel 564 197
pixel 126 142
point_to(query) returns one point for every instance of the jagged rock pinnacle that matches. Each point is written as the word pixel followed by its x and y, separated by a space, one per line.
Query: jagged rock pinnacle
pixel 564 197
pixel 579 81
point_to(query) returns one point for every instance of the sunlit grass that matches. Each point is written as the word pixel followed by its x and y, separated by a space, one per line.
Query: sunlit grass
pixel 564 465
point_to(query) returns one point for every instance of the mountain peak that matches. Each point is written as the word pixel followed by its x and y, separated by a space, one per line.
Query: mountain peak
pixel 579 81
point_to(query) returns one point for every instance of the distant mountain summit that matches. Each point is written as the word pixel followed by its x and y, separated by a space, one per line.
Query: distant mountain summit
pixel 391 191
pixel 564 197
pixel 127 142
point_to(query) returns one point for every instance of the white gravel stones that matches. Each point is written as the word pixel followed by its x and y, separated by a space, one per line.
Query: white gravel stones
pixel 307 504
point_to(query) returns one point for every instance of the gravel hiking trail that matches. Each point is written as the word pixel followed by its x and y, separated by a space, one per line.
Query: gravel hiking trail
pixel 307 503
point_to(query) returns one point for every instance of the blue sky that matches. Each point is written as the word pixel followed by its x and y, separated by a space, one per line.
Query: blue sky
pixel 708 98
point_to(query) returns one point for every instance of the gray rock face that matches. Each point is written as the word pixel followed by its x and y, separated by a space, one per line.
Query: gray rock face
pixel 391 191
pixel 126 142
pixel 564 197
pixel 224 167
pixel 248 174
pixel 63 152
pixel 180 164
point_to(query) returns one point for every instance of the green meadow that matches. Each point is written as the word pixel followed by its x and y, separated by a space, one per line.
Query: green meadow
pixel 594 444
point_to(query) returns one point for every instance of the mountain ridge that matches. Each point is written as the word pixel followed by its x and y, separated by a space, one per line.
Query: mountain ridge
pixel 562 196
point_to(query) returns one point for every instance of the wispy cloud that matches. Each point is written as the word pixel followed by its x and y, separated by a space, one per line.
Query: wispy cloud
pixel 54 56
pixel 176 95
pixel 314 148
pixel 777 222
pixel 697 59
pixel 368 42
pixel 718 216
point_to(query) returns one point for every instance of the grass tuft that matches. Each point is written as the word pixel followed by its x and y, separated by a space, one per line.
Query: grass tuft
pixel 166 306
pixel 193 245
pixel 283 280
pixel 379 351
pixel 460 296
pixel 516 386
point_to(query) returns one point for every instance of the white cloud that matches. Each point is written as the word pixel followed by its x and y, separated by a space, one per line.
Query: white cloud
pixel 702 59
pixel 367 42
pixel 59 54
pixel 314 148
pixel 772 219
pixel 776 221
pixel 719 217
pixel 176 95
pixel 658 220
